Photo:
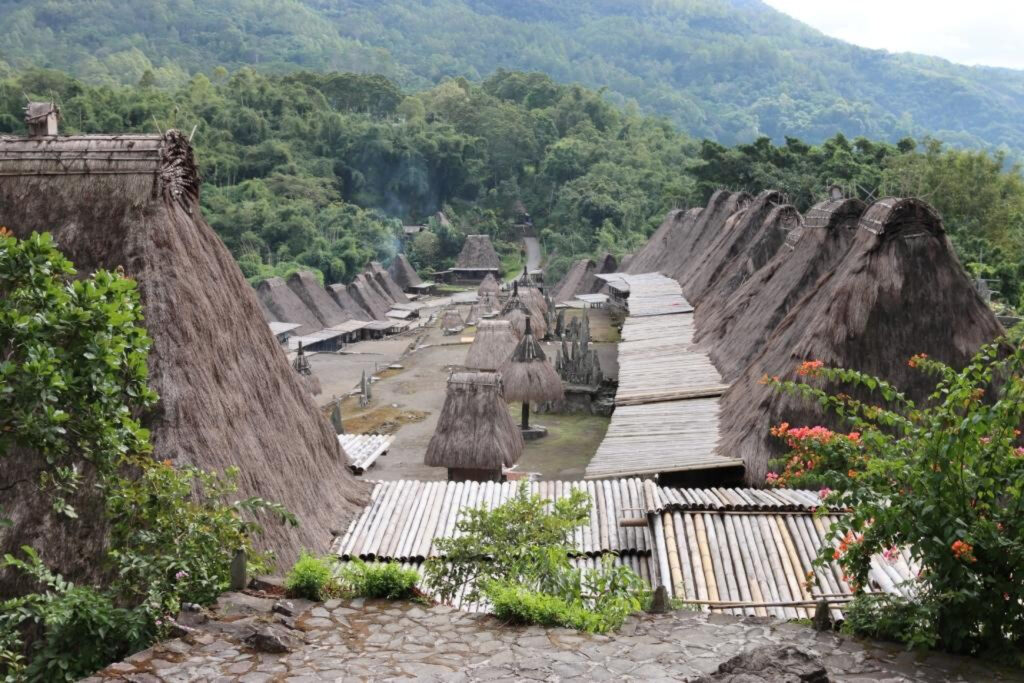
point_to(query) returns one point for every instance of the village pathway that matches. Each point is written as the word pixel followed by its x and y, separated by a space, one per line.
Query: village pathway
pixel 374 640
pixel 533 255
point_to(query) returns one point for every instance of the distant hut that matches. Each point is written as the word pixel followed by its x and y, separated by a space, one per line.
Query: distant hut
pixel 477 260
pixel 493 344
pixel 286 307
pixel 488 286
pixel 347 303
pixel 728 245
pixel 523 303
pixel 899 291
pixel 738 331
pixel 227 394
pixel 451 322
pixel 383 278
pixel 529 377
pixel 475 436
pixel 317 299
pixel 488 305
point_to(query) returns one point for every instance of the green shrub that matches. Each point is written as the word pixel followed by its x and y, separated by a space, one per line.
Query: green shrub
pixel 520 605
pixel 312 578
pixel 889 617
pixel 386 580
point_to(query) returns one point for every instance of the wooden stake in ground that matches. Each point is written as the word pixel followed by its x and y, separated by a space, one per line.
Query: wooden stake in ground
pixel 528 376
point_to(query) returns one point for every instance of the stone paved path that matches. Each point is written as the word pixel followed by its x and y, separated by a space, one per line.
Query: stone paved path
pixel 357 640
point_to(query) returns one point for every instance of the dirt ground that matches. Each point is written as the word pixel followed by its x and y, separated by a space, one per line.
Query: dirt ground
pixel 407 401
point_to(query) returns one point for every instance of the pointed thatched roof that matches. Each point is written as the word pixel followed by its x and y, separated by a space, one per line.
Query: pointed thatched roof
pixel 363 290
pixel 383 279
pixel 523 302
pixel 227 394
pixel 575 280
pixel 402 272
pixel 728 245
pixel 659 249
pixel 316 298
pixel 285 306
pixel 709 225
pixel 528 376
pixel 347 303
pixel 475 429
pixel 737 332
pixel 899 291
pixel 493 344
pixel 478 254
pixel 473 315
pixel 488 286
pixel 451 320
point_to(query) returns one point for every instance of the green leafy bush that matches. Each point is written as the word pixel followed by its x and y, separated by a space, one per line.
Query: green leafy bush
pixel 312 578
pixel 518 554
pixel 890 617
pixel 942 479
pixel 383 580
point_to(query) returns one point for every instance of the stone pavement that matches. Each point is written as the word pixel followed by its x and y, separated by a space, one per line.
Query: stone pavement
pixel 360 640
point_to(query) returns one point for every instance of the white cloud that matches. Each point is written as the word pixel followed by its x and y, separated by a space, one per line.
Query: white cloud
pixel 989 32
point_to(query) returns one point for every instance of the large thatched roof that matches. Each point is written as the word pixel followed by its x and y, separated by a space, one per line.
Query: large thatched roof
pixel 285 306
pixel 736 333
pixel 347 303
pixel 363 290
pixel 527 374
pixel 899 291
pixel 663 245
pixel 324 307
pixel 686 242
pixel 383 278
pixel 227 394
pixel 493 344
pixel 478 254
pixel 575 279
pixel 475 429
pixel 402 272
pixel 727 245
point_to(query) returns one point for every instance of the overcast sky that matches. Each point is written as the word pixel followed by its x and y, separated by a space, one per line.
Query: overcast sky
pixel 989 32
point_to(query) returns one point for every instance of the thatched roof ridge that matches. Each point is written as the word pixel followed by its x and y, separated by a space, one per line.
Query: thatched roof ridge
pixel 735 333
pixel 527 374
pixel 347 303
pixel 286 306
pixel 478 254
pixel 383 279
pixel 475 429
pixel 324 307
pixel 227 394
pixel 488 286
pixel 402 272
pixel 713 260
pixel 662 247
pixel 687 244
pixel 493 344
pixel 899 291
pixel 365 293
pixel 573 283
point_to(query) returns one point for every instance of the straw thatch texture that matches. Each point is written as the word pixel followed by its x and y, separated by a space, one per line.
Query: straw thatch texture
pixel 686 248
pixel 772 234
pixel 488 304
pixel 738 331
pixel 365 294
pixel 492 346
pixel 227 394
pixel 663 245
pixel 316 298
pixel 488 286
pixel 575 281
pixel 729 244
pixel 899 291
pixel 347 303
pixel 402 272
pixel 528 376
pixel 383 278
pixel 451 320
pixel 285 306
pixel 475 429
pixel 473 315
pixel 478 254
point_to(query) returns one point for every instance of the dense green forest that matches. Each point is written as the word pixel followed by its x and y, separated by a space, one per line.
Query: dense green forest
pixel 727 70
pixel 320 170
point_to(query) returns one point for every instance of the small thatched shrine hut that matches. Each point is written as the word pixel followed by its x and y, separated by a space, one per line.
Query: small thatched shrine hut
pixel 475 438
pixel 324 307
pixel 477 259
pixel 529 377
pixel 493 344
pixel 899 291
pixel 452 322
pixel 737 332
pixel 473 315
pixel 488 286
pixel 286 307
pixel 227 394
pixel 524 302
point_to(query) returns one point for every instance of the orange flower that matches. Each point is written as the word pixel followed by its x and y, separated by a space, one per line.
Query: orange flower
pixel 914 360
pixel 809 367
pixel 4 232
pixel 852 474
pixel 166 463
pixel 963 551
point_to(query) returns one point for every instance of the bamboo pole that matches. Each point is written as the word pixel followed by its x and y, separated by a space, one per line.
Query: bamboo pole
pixel 745 574
pixel 705 558
pixel 694 557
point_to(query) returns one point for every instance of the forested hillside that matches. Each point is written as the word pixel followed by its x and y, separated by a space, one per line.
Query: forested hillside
pixel 320 171
pixel 728 70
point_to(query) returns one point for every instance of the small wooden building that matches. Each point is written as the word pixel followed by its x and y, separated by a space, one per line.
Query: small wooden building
pixel 476 260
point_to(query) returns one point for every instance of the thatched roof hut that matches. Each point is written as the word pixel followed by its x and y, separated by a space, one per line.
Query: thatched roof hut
pixel 451 321
pixel 285 306
pixel 365 293
pixel 527 374
pixel 402 272
pixel 488 286
pixel 227 394
pixel 473 315
pixel 575 281
pixel 727 245
pixel 478 255
pixel 475 436
pixel 899 291
pixel 383 278
pixel 709 225
pixel 659 252
pixel 316 298
pixel 737 332
pixel 523 303
pixel 347 303
pixel 493 344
